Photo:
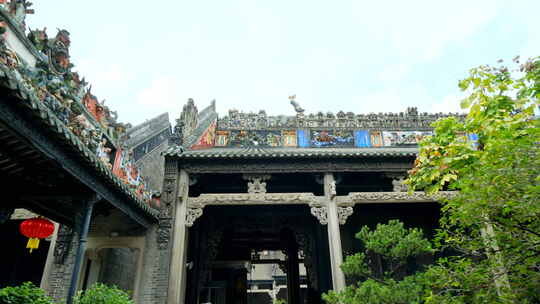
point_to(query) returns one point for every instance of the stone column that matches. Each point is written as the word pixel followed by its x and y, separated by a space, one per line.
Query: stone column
pixel 177 276
pixel 334 237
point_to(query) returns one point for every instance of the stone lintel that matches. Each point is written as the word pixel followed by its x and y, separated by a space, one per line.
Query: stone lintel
pixel 253 199
pixel 391 197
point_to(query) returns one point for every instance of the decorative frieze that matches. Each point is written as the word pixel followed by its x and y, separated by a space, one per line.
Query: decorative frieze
pixel 391 197
pixel 252 199
pixel 192 214
pixel 409 120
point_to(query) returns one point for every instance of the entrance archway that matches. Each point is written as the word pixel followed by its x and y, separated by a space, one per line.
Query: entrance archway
pixel 256 254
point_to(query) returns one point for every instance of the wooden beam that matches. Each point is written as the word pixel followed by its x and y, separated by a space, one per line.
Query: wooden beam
pixel 70 162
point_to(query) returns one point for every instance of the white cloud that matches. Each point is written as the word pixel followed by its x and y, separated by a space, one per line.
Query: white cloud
pixel 449 104
pixel 394 73
pixel 422 29
pixel 162 95
pixel 107 79
pixel 381 101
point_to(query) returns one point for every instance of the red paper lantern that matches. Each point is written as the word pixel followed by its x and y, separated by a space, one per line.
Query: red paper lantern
pixel 35 229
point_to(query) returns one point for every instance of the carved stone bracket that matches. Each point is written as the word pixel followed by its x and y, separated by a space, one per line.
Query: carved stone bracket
pixel 344 213
pixel 256 182
pixel 192 215
pixel 397 181
pixel 398 185
pixel 321 213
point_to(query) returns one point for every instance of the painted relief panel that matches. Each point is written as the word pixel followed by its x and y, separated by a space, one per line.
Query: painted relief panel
pixel 403 138
pixel 222 138
pixel 256 138
pixel 362 139
pixel 303 138
pixel 289 139
pixel 332 138
pixel 376 138
pixel 207 139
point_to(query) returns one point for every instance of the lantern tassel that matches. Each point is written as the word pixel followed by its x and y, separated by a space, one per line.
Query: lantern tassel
pixel 33 243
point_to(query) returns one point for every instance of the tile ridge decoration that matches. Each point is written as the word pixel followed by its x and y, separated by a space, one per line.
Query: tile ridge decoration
pixel 63 102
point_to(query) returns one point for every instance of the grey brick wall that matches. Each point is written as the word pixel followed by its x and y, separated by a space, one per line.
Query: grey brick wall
pixel 119 267
pixel 60 275
pixel 155 278
pixel 152 166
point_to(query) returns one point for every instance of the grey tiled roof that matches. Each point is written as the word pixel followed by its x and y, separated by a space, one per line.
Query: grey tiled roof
pixel 205 118
pixel 142 132
pixel 231 153
pixel 63 135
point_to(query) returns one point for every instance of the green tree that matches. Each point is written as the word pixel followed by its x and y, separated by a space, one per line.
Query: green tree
pixel 102 294
pixel 492 157
pixel 381 269
pixel 27 293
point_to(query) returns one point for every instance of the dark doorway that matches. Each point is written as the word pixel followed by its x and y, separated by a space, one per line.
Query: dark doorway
pixel 254 254
pixel 18 265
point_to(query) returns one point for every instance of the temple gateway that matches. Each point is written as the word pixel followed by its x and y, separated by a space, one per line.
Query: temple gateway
pixel 256 208
pixel 236 209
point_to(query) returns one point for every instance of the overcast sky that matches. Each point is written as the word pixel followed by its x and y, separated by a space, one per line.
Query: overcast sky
pixel 148 57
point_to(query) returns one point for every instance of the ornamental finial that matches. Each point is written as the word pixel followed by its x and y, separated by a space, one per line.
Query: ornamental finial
pixel 296 105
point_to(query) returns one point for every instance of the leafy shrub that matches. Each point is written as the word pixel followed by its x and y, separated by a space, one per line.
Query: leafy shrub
pixel 380 271
pixel 27 293
pixel 102 294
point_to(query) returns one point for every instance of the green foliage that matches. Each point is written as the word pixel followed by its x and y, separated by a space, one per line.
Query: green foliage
pixel 102 294
pixel 27 293
pixel 381 269
pixel 492 222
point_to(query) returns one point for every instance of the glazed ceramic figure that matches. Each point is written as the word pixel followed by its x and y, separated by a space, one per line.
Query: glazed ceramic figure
pixel 104 153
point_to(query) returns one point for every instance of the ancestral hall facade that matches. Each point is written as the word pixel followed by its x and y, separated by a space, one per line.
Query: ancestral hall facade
pixel 252 207
pixel 301 184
